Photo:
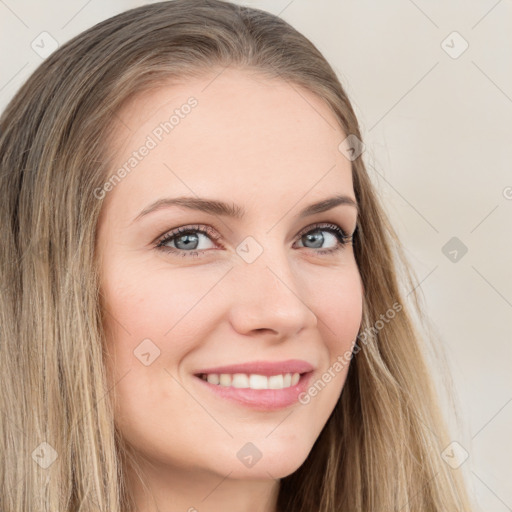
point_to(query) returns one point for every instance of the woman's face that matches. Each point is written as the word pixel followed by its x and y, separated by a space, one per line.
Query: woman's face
pixel 255 288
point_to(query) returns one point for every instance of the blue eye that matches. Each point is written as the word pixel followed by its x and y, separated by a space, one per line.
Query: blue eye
pixel 186 239
pixel 314 235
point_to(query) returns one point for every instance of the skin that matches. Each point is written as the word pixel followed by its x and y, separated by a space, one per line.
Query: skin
pixel 272 149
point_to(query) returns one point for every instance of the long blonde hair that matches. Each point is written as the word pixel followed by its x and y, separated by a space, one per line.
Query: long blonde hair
pixel 381 447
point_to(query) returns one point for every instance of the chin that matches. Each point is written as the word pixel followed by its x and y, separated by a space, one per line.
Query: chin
pixel 272 464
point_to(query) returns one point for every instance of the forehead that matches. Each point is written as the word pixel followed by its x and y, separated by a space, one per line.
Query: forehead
pixel 233 133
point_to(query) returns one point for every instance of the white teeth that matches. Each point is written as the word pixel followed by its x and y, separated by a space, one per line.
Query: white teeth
pixel 239 380
pixel 213 378
pixel 258 382
pixel 276 382
pixel 253 381
pixel 225 379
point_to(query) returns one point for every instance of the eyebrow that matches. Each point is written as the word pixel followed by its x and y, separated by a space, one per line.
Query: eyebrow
pixel 232 210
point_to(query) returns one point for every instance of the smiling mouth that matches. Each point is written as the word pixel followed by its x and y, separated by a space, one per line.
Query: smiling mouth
pixel 252 380
pixel 263 393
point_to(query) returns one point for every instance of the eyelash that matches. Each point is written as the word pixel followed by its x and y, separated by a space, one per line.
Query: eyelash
pixel 340 234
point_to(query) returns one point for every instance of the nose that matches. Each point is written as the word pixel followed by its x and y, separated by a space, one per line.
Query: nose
pixel 269 299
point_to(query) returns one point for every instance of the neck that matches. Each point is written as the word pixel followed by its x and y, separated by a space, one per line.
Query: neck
pixel 168 489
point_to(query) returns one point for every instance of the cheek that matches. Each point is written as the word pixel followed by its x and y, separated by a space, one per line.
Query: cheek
pixel 171 309
pixel 162 318
pixel 336 297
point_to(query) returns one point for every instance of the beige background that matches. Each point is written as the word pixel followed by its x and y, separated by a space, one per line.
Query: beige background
pixel 437 128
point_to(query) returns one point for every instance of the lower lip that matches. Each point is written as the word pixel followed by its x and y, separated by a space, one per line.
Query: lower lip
pixel 260 399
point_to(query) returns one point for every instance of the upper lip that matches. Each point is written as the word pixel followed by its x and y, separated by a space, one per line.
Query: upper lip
pixel 262 367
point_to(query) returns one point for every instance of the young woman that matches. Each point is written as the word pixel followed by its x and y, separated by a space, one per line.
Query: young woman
pixel 202 306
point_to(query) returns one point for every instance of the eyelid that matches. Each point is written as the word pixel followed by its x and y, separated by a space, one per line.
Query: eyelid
pixel 210 231
pixel 319 226
pixel 214 234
